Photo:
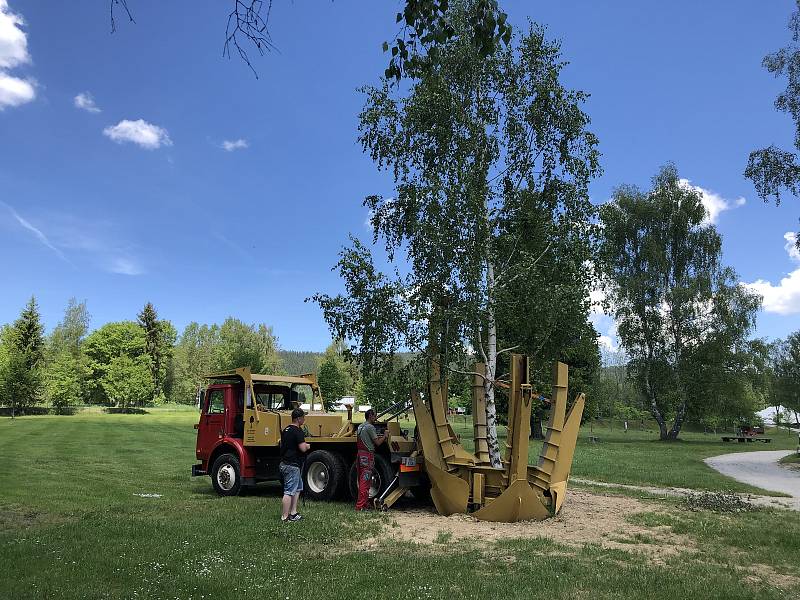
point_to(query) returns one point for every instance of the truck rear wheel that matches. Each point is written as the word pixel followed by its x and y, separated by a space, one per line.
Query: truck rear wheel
pixel 381 477
pixel 226 475
pixel 323 475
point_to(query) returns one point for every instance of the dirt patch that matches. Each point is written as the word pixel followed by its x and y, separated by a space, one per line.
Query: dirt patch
pixel 13 518
pixel 760 573
pixel 785 503
pixel 586 518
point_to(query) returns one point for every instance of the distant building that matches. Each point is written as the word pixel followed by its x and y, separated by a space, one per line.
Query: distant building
pixel 344 403
pixel 351 402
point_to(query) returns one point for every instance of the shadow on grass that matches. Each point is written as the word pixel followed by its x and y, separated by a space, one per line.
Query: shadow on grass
pixel 113 410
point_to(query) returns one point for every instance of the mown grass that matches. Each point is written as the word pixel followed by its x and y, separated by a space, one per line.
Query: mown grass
pixel 73 526
pixel 764 537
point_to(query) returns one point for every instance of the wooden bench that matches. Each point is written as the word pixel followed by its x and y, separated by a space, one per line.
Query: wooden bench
pixel 745 438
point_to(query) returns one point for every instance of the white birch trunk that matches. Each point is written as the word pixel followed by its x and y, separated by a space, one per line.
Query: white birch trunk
pixel 491 370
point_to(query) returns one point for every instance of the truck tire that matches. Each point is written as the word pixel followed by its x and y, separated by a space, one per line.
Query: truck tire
pixel 323 475
pixel 382 476
pixel 226 475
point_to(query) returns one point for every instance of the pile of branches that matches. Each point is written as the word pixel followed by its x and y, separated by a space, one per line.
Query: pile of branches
pixel 721 502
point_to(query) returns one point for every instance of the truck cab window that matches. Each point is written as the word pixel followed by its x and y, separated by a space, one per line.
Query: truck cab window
pixel 216 402
pixel 271 401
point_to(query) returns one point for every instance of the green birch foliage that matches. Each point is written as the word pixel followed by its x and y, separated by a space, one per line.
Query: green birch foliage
pixel 682 317
pixel 336 376
pixel 773 169
pixel 66 374
pixel 787 372
pixel 476 146
pixel 334 381
pixel 193 357
pixel 204 349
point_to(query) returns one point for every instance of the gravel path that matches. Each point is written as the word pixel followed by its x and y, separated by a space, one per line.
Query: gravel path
pixel 760 469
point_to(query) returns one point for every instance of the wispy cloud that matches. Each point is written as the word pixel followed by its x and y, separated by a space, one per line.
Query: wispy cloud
pixel 139 132
pixel 713 202
pixel 37 233
pixel 125 266
pixel 14 91
pixel 98 243
pixel 231 145
pixel 86 102
pixel 233 246
pixel 783 298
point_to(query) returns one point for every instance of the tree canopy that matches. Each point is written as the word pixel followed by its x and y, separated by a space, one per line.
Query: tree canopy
pixel 491 158
pixel 774 170
pixel 423 27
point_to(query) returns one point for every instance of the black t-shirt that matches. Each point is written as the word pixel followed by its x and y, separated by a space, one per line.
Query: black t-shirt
pixel 291 438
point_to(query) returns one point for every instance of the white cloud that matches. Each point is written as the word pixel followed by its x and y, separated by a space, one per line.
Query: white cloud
pixel 85 101
pixel 714 203
pixel 13 40
pixel 139 132
pixel 231 145
pixel 13 53
pixel 791 246
pixel 15 91
pixel 783 298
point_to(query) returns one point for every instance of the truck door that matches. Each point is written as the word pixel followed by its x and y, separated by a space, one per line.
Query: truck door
pixel 212 421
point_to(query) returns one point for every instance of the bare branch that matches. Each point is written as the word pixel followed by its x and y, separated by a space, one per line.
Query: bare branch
pixel 454 370
pixel 508 349
pixel 124 5
pixel 246 20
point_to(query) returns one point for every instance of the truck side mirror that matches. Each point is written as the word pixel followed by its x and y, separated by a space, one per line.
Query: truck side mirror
pixel 200 398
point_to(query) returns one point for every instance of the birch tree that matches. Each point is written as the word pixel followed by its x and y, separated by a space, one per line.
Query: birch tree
pixel 476 145
pixel 682 316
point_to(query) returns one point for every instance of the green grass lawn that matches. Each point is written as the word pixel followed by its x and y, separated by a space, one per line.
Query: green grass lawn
pixel 72 525
pixel 792 460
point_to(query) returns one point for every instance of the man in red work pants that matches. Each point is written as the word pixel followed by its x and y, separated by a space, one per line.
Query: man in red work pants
pixel 368 439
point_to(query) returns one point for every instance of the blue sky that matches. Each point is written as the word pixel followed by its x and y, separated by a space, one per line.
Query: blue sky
pixel 204 232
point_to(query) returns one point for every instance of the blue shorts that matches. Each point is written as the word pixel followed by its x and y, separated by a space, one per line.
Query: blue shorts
pixel 292 480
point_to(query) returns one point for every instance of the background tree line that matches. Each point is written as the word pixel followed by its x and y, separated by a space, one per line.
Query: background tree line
pixel 122 364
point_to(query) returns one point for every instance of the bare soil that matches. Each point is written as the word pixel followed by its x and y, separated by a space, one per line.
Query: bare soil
pixel 586 518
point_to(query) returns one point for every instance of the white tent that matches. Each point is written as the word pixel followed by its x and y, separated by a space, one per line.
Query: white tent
pixel 768 414
pixel 344 403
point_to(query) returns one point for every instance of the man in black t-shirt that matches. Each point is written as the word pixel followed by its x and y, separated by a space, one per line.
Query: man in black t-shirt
pixel 293 449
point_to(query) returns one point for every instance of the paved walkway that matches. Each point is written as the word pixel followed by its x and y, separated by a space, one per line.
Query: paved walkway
pixel 760 469
pixel 756 468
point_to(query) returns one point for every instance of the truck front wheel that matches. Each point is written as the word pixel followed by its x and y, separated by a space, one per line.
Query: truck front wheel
pixel 323 475
pixel 226 475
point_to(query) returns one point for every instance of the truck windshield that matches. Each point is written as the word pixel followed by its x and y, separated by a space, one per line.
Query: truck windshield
pixel 304 396
pixel 272 397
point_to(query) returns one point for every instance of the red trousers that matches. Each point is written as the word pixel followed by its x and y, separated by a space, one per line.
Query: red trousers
pixel 365 461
